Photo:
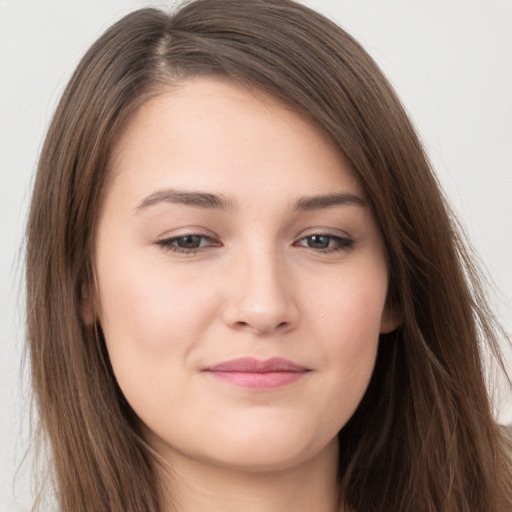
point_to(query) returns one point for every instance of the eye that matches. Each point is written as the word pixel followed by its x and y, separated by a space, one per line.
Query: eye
pixel 188 244
pixel 326 242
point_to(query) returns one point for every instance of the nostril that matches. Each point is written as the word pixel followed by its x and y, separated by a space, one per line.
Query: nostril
pixel 260 327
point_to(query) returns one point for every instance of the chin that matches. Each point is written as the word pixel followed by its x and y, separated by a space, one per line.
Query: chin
pixel 268 450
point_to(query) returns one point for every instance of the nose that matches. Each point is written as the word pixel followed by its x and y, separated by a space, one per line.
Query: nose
pixel 261 298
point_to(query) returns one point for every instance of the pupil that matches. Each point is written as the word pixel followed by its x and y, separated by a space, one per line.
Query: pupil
pixel 189 242
pixel 318 242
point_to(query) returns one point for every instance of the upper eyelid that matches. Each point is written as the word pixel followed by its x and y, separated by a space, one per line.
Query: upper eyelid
pixel 217 243
pixel 344 238
pixel 332 232
pixel 327 235
pixel 184 232
pixel 328 232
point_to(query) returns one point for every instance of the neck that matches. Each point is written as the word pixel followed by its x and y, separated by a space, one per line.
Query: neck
pixel 307 487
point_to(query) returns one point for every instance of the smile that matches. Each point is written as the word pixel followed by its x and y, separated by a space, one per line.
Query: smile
pixel 252 373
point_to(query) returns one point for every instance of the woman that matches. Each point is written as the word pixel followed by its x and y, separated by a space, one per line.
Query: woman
pixel 245 290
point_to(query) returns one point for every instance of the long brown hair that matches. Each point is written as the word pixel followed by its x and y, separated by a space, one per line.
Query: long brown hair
pixel 423 438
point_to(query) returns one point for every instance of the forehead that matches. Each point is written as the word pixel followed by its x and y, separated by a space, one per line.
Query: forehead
pixel 222 136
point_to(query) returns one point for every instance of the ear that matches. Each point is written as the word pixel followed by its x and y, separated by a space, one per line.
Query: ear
pixel 392 317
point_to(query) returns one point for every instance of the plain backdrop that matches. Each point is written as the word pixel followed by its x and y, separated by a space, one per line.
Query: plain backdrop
pixel 450 61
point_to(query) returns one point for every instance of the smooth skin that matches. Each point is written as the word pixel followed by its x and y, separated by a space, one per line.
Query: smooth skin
pixel 233 228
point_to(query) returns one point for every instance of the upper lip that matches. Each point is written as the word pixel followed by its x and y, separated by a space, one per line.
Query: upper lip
pixel 253 365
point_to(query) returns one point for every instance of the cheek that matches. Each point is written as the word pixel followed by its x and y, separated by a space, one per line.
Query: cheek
pixel 151 322
pixel 149 303
pixel 350 325
pixel 351 308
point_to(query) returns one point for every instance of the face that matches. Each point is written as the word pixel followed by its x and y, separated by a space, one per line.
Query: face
pixel 241 279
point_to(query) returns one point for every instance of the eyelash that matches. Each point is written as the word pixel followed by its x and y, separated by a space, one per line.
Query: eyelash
pixel 168 244
pixel 341 243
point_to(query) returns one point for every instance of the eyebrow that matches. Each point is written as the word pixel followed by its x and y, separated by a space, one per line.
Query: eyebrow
pixel 197 199
pixel 308 203
pixel 207 200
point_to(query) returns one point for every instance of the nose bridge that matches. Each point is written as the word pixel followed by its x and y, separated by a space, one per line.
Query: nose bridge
pixel 261 298
pixel 265 278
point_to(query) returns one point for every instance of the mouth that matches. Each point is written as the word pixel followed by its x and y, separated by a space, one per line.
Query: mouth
pixel 252 373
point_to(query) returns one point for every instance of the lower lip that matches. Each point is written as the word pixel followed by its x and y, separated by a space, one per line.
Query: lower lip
pixel 258 380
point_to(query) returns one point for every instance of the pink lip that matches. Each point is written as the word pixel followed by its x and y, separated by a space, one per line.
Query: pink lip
pixel 252 373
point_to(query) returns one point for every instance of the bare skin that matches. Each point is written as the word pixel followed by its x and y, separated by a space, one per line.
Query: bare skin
pixel 234 231
pixel 309 487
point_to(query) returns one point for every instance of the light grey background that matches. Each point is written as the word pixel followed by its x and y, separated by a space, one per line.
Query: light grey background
pixel 450 60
